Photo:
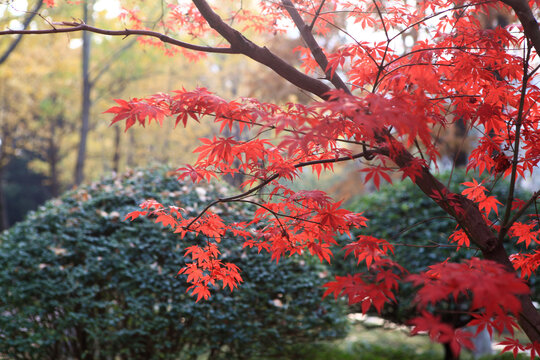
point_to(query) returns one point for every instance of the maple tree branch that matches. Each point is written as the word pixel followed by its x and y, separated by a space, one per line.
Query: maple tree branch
pixel 505 225
pixel 527 20
pixel 442 48
pixel 262 55
pixel 276 214
pixel 476 228
pixel 316 16
pixel 294 131
pixel 363 154
pixel 384 26
pixel 418 223
pixel 381 78
pixel 454 96
pixel 263 183
pixel 524 208
pixel 435 15
pixel 435 245
pixel 72 26
pixel 316 51
pixel 25 24
pixel 359 44
pixel 381 66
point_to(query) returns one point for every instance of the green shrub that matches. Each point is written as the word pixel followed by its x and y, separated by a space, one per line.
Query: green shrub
pixel 79 282
pixel 362 350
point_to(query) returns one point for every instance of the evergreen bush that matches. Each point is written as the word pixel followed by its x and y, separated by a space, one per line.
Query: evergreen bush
pixel 77 281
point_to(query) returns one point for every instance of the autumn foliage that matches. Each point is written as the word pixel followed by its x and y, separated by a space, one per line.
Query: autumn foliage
pixel 382 103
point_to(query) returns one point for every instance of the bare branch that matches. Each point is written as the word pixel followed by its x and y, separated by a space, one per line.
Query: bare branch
pixel 527 19
pixel 17 40
pixel 524 208
pixel 316 16
pixel 505 225
pixel 76 26
pixel 261 54
pixel 238 197
pixel 316 51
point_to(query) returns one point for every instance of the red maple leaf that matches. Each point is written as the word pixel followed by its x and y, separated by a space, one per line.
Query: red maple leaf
pixel 376 172
pixel 137 110
pixel 475 191
pixel 489 203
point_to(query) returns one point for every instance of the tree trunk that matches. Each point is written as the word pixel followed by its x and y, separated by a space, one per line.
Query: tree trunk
pixel 130 160
pixel 472 222
pixel 86 92
pixel 448 354
pixel 53 158
pixel 4 221
pixel 116 152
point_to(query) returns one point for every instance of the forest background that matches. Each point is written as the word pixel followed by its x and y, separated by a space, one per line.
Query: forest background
pixel 41 131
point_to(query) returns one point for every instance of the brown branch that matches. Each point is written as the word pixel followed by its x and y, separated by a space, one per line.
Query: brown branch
pixel 316 16
pixel 261 54
pixel 437 14
pixel 527 20
pixel 17 40
pixel 263 183
pixel 77 26
pixel 517 215
pixel 316 51
pixel 275 214
pixel 505 225
pixel 435 245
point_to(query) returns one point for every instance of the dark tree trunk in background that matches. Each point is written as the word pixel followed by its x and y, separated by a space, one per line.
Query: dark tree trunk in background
pixel 4 220
pixel 448 355
pixel 86 92
pixel 53 158
pixel 461 156
pixel 116 153
pixel 130 160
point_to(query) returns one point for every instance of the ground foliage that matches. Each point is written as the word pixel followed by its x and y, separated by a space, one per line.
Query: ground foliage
pixel 79 282
pixel 379 103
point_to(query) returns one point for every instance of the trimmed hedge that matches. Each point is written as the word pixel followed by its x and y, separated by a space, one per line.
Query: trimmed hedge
pixel 79 282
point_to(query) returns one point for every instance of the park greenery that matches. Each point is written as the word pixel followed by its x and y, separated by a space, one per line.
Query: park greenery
pixel 79 282
pixel 394 90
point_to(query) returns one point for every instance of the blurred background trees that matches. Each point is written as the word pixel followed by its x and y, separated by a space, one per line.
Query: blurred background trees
pixel 65 144
pixel 62 145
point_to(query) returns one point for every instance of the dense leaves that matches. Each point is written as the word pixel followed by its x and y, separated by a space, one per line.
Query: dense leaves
pixel 78 282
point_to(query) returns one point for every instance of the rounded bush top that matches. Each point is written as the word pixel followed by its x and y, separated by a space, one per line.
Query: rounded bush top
pixel 79 281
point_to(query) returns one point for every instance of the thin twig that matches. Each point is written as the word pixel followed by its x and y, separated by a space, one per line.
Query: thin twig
pixel 314 47
pixel 506 224
pixel 263 183
pixel 317 13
